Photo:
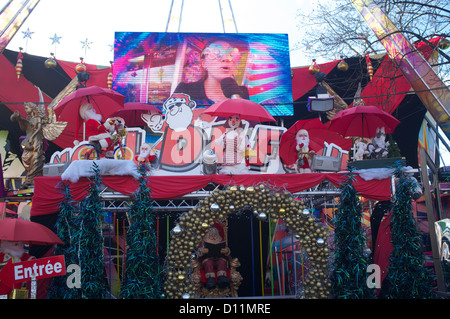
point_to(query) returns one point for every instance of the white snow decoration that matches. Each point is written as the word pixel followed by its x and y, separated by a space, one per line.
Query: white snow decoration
pixel 83 168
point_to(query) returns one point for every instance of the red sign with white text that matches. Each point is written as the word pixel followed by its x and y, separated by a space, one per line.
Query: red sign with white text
pixel 40 268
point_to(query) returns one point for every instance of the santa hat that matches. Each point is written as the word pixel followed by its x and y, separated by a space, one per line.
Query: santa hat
pixel 219 227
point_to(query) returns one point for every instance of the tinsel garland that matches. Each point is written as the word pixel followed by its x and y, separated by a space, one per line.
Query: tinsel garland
pixel 90 242
pixel 349 276
pixel 407 275
pixel 142 278
pixel 65 225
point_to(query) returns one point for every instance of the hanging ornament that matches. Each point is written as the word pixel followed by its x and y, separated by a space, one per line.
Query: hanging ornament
pixel 80 67
pixel 314 68
pixel 444 44
pixel 369 67
pixel 50 63
pixel 342 65
pixel 110 76
pixel 19 64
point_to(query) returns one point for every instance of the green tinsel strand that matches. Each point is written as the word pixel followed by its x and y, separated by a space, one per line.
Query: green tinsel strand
pixel 90 242
pixel 65 225
pixel 349 276
pixel 142 277
pixel 407 275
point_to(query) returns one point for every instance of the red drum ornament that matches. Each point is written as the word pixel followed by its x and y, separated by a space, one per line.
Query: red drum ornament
pixel 80 67
pixel 444 44
pixel 342 65
pixel 50 63
pixel 314 68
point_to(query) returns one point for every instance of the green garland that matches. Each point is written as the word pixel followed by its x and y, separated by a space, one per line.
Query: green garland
pixel 65 225
pixel 90 242
pixel 142 277
pixel 349 276
pixel 407 275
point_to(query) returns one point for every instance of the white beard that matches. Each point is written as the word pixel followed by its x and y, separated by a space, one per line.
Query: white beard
pixel 16 251
pixel 92 115
pixel 144 154
pixel 181 119
pixel 304 140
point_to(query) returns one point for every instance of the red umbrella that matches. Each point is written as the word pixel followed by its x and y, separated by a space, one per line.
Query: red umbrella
pixel 363 121
pixel 246 109
pixel 131 113
pixel 318 134
pixel 104 101
pixel 17 229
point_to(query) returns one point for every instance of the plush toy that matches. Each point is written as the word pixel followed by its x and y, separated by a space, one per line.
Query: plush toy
pixel 380 147
pixel 304 154
pixel 234 142
pixel 214 256
pixel 360 151
pixel 100 135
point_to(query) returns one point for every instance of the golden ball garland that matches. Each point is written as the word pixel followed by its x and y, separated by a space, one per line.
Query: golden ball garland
pixel 264 201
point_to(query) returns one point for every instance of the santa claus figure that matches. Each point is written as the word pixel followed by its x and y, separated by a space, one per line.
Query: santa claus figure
pixel 214 256
pixel 304 154
pixel 14 251
pixel 99 135
pixel 234 142
pixel 146 154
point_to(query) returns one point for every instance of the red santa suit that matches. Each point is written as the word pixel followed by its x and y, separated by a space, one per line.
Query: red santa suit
pixel 214 256
pixel 146 155
pixel 302 148
pixel 95 130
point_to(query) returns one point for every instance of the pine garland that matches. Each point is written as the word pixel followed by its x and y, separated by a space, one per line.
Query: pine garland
pixel 90 242
pixel 407 275
pixel 350 273
pixel 65 225
pixel 142 277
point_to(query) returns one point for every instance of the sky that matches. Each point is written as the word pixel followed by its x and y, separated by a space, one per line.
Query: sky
pixel 97 20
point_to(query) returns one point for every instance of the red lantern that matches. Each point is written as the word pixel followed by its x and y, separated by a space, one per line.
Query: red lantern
pixel 369 66
pixel 19 64
pixel 110 77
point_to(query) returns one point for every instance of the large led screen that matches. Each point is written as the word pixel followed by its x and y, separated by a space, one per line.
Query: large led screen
pixel 149 67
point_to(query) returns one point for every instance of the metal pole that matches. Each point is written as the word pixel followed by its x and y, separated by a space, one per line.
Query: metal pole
pixel 424 160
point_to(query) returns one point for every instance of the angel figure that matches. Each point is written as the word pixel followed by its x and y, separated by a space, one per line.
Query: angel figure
pixel 37 126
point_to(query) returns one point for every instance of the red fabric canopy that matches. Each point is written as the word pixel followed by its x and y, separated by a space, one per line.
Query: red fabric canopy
pixel 47 196
pixel 97 75
pixel 388 86
pixel 303 80
pixel 16 90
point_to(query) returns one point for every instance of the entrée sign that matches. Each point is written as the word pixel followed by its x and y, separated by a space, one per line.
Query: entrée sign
pixel 37 268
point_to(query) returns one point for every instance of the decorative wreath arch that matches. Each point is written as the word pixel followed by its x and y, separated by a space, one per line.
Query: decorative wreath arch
pixel 264 201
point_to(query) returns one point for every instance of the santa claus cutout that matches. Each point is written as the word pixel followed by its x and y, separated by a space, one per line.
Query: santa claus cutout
pixel 304 154
pixel 146 155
